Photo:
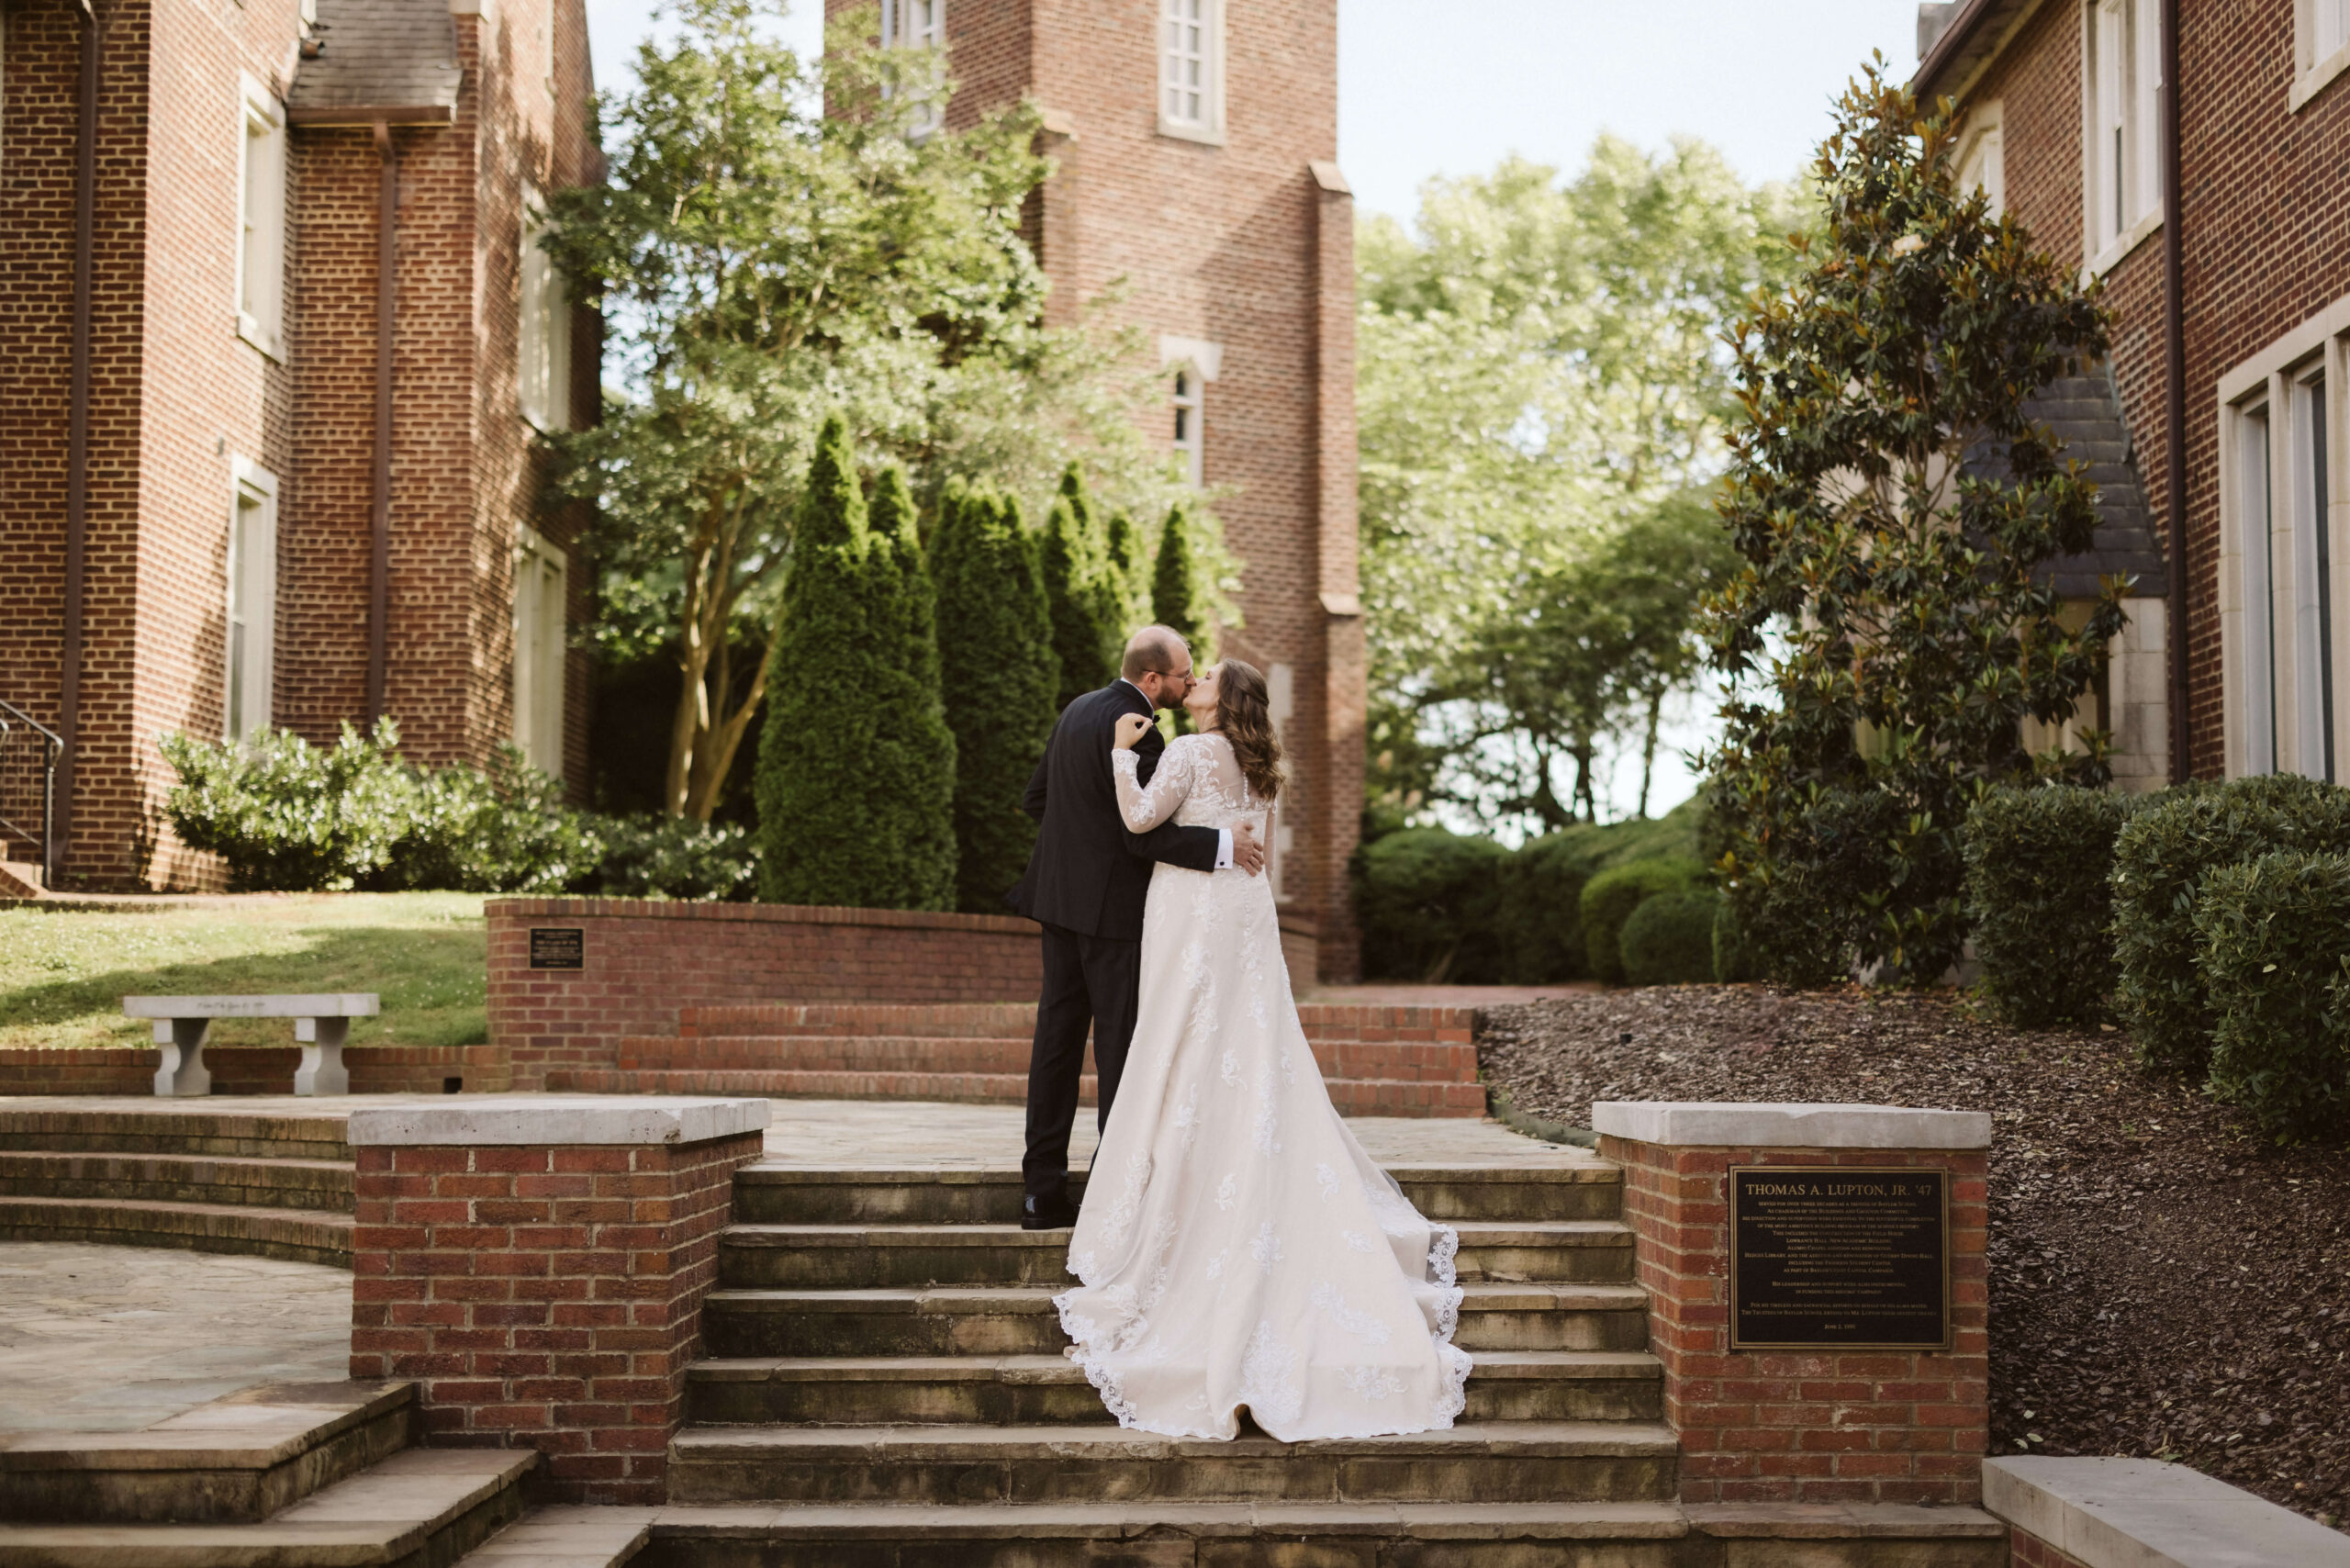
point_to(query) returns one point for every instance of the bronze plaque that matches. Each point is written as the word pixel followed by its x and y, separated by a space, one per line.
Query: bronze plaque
pixel 558 947
pixel 1838 1258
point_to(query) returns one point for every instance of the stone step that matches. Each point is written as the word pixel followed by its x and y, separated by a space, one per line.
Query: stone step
pixel 1353 1096
pixel 415 1509
pixel 1179 1535
pixel 19 880
pixel 1052 1390
pixel 850 1257
pixel 790 1194
pixel 568 1535
pixel 238 1459
pixel 1561 1461
pixel 173 1128
pixel 178 1178
pixel 1399 1061
pixel 945 1019
pixel 918 1321
pixel 301 1236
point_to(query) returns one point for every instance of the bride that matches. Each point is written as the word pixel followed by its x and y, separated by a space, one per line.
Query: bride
pixel 1238 1248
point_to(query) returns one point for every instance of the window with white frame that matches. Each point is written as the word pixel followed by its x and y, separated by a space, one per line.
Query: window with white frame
pixel 543 376
pixel 249 679
pixel 2121 172
pixel 1191 69
pixel 2312 576
pixel 2321 47
pixel 916 24
pixel 261 202
pixel 1185 406
pixel 1981 165
pixel 2255 528
pixel 540 574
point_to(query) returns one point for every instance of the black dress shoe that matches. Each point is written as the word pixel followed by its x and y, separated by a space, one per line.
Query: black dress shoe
pixel 1047 1216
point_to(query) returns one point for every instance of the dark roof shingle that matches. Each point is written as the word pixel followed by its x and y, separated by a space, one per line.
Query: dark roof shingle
pixel 379 54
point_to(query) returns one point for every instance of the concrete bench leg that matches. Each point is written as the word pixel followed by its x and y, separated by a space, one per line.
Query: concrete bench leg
pixel 321 1072
pixel 183 1071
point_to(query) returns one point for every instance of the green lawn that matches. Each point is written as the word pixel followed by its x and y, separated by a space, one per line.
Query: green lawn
pixel 63 973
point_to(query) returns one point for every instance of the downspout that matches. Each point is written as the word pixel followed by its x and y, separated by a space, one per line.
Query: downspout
pixel 2175 391
pixel 379 565
pixel 77 429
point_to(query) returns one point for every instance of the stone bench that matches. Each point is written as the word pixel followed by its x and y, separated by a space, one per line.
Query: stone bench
pixel 321 1023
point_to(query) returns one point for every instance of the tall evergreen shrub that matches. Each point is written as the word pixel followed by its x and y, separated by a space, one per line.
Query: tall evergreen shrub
pixel 853 807
pixel 1122 557
pixel 1173 600
pixel 914 754
pixel 1084 632
pixel 2274 932
pixel 995 635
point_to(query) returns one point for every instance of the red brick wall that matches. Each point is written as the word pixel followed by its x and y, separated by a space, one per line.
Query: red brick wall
pixel 2262 234
pixel 2031 1551
pixel 253 1070
pixel 1233 244
pixel 1849 1427
pixel 545 1298
pixel 647 960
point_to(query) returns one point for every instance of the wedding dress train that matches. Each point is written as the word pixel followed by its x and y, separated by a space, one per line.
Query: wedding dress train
pixel 1237 1247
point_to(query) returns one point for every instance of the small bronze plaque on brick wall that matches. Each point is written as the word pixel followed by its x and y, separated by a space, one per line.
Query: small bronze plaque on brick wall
pixel 1831 1257
pixel 558 947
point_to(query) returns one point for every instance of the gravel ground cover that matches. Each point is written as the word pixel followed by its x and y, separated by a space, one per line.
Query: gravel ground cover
pixel 2163 1282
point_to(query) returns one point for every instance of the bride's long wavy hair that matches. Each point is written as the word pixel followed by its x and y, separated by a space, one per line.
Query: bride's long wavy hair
pixel 1244 716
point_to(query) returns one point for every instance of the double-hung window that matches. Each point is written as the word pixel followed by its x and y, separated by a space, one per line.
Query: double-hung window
pixel 2321 47
pixel 260 219
pixel 1191 69
pixel 2121 183
pixel 541 580
pixel 1185 406
pixel 543 374
pixel 916 24
pixel 249 679
pixel 1981 165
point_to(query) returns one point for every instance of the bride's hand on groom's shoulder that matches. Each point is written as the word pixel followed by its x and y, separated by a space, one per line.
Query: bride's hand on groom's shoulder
pixel 1130 729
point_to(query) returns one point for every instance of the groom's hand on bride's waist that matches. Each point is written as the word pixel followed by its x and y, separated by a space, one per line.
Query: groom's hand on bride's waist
pixel 1247 853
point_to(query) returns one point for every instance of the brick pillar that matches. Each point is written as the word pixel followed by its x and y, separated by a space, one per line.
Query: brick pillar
pixel 1815 1424
pixel 538 1265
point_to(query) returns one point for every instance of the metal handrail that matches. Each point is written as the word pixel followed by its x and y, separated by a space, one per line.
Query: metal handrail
pixel 13 717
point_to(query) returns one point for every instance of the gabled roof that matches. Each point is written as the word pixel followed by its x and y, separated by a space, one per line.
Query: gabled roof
pixel 390 59
pixel 1955 40
pixel 2085 414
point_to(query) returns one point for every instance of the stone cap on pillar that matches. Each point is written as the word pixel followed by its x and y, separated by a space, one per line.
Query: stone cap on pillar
pixel 1712 1124
pixel 540 1121
pixel 2142 1513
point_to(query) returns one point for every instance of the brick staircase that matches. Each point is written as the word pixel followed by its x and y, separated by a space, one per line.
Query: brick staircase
pixel 274 1186
pixel 1377 1060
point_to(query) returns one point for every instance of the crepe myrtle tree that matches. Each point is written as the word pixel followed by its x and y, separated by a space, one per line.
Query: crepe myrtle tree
pixel 1892 625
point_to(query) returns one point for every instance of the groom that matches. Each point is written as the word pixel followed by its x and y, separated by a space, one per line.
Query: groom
pixel 1086 883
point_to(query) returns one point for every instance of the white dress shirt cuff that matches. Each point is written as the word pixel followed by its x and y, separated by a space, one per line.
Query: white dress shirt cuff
pixel 1223 849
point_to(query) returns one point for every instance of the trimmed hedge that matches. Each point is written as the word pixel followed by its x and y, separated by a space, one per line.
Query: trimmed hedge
pixel 2160 860
pixel 2278 984
pixel 1609 899
pixel 1427 900
pixel 2040 893
pixel 1803 926
pixel 1669 939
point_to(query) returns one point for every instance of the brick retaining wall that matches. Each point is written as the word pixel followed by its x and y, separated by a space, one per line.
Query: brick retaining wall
pixel 251 1069
pixel 643 962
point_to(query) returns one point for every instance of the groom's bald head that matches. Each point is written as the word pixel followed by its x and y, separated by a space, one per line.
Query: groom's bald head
pixel 1156 650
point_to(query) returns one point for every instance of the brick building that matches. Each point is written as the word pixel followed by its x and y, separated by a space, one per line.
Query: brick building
pixel 2188 152
pixel 273 352
pixel 1194 145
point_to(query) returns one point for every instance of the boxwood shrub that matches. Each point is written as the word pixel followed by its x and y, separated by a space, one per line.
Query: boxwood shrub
pixel 1540 913
pixel 1669 939
pixel 1609 899
pixel 2275 966
pixel 2160 859
pixel 1428 900
pixel 2039 891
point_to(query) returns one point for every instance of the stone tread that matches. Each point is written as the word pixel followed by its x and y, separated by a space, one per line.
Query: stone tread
pixel 310 1236
pixel 172 1127
pixel 1353 1096
pixel 567 1536
pixel 779 1173
pixel 1117 1521
pixel 1472 1233
pixel 383 1516
pixel 1477 1295
pixel 273 1182
pixel 254 1429
pixel 1035 1369
pixel 978 1444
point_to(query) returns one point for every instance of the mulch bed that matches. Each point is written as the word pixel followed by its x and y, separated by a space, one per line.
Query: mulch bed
pixel 2163 1282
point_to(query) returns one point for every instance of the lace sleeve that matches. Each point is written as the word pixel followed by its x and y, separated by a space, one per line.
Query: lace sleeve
pixel 1145 806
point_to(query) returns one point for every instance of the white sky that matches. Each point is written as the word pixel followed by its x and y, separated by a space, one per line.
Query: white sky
pixel 1429 87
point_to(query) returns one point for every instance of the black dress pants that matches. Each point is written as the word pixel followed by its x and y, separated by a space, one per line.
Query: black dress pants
pixel 1090 981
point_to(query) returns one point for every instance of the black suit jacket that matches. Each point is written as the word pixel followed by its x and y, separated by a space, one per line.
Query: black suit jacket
pixel 1088 874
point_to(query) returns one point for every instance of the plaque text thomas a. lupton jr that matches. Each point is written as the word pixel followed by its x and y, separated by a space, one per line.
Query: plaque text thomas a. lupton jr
pixel 1838 1258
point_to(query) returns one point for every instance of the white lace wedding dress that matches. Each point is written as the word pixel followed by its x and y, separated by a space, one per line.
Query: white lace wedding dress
pixel 1236 1245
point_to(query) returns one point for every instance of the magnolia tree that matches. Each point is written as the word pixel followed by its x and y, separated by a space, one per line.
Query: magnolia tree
pixel 1892 624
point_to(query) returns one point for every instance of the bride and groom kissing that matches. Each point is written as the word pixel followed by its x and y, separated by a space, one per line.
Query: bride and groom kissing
pixel 1237 1248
